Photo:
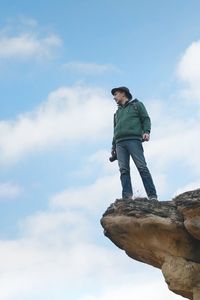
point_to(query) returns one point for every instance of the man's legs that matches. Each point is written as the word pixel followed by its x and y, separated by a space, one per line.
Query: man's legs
pixel 136 151
pixel 123 158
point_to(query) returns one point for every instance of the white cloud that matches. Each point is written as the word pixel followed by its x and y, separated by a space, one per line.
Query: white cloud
pixel 174 136
pixel 62 249
pixel 189 66
pixel 151 290
pixel 26 42
pixel 59 250
pixel 28 266
pixel 189 71
pixel 70 114
pixel 27 46
pixel 95 196
pixel 50 227
pixel 9 190
pixel 175 124
pixel 97 164
pixel 89 68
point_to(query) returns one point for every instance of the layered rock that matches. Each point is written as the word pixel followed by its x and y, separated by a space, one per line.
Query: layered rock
pixel 163 234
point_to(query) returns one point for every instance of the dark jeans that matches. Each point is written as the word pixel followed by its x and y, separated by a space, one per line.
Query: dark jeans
pixel 133 148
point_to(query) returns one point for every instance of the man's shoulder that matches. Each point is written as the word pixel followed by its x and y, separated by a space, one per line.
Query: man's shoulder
pixel 135 102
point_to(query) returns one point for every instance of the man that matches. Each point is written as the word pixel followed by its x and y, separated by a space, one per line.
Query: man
pixel 132 125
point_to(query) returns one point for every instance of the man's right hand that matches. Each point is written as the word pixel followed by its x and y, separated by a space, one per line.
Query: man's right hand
pixel 113 152
pixel 113 155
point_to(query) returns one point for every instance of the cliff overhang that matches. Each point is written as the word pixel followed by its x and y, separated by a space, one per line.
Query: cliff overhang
pixel 164 234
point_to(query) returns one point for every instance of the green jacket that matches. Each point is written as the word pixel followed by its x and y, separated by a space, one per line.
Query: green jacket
pixel 131 121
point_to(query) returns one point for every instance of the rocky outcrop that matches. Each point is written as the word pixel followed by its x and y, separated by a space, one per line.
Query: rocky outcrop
pixel 163 234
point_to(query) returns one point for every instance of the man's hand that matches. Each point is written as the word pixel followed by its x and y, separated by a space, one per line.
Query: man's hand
pixel 146 137
pixel 113 152
pixel 113 155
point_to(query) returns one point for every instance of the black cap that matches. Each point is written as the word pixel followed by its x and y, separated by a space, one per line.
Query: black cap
pixel 124 89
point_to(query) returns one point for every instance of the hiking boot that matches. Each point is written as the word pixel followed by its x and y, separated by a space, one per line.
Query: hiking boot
pixel 128 197
pixel 153 198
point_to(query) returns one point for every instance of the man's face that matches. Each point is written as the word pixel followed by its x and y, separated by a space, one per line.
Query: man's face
pixel 120 97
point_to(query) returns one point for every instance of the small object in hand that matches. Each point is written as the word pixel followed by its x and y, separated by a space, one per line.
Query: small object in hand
pixel 113 157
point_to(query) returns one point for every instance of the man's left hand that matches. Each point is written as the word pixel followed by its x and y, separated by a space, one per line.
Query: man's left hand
pixel 146 137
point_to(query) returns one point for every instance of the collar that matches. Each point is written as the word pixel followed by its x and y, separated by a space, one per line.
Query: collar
pixel 126 103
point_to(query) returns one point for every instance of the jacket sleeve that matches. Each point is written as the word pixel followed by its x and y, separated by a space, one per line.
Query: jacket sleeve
pixel 144 117
pixel 113 141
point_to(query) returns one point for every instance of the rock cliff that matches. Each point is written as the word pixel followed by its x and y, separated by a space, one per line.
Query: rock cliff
pixel 163 234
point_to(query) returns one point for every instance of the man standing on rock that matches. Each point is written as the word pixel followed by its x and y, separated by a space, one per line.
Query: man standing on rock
pixel 132 125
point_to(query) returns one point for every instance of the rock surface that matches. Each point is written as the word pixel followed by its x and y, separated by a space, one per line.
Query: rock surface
pixel 163 234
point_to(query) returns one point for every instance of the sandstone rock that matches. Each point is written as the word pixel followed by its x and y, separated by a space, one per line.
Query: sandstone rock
pixel 182 276
pixel 163 234
pixel 190 209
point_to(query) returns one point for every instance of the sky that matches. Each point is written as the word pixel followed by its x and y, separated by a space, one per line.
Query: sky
pixel 58 62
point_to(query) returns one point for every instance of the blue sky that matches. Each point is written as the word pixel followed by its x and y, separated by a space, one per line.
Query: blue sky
pixel 58 62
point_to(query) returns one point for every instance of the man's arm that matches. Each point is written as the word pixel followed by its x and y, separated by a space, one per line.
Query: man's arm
pixel 145 120
pixel 113 141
